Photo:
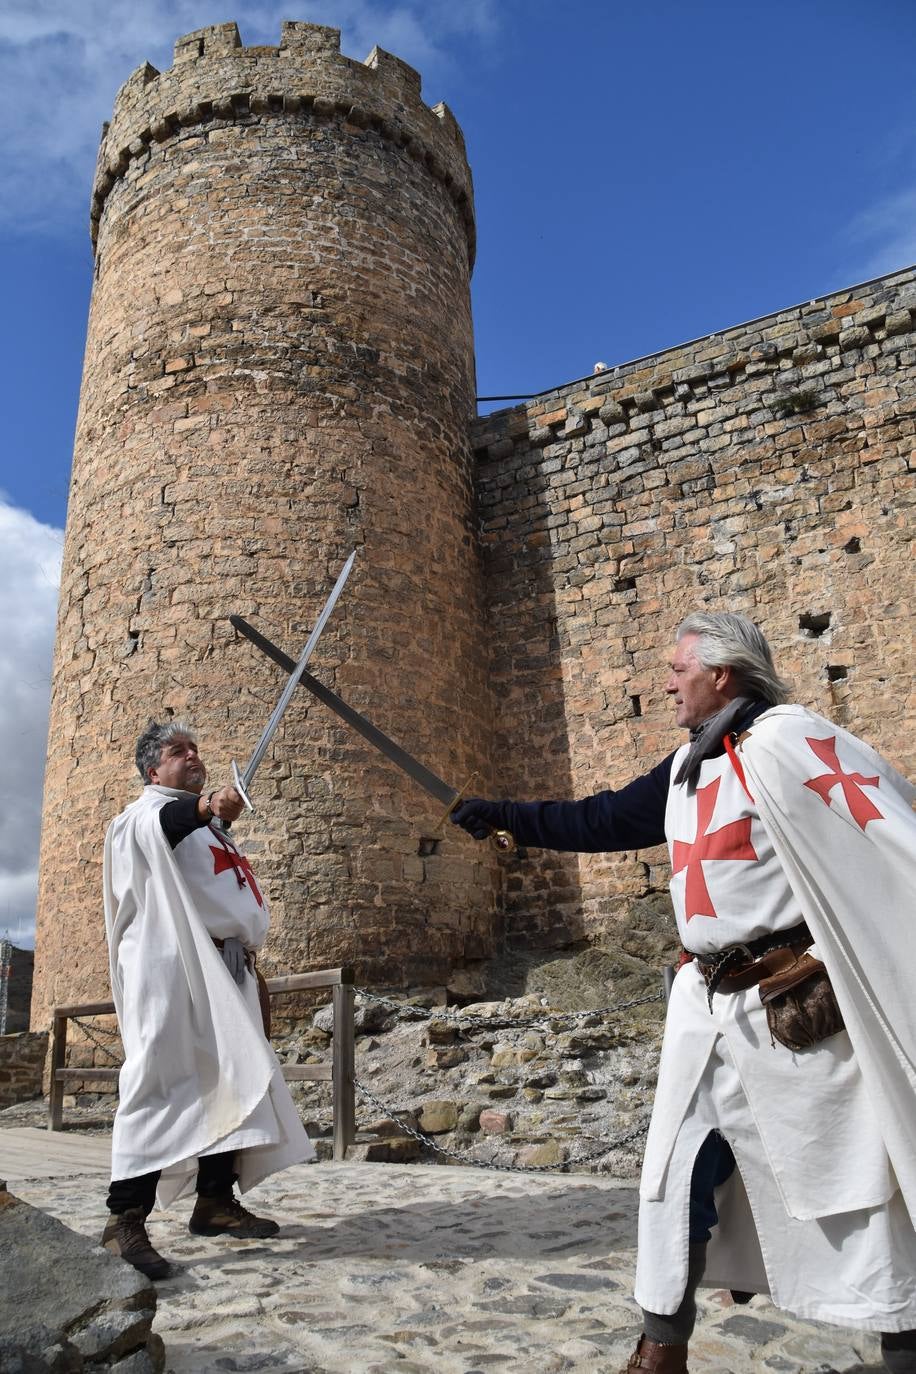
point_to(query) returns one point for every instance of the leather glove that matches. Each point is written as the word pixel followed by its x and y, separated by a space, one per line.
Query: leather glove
pixel 233 952
pixel 478 817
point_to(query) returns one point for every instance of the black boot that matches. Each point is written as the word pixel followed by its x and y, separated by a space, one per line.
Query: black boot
pixel 898 1350
pixel 225 1215
pixel 125 1235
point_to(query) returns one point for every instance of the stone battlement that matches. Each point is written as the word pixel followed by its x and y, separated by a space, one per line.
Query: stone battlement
pixel 216 81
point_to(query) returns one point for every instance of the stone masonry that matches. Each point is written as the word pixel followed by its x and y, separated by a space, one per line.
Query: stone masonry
pixel 22 1061
pixel 279 368
pixel 768 470
pixel 16 970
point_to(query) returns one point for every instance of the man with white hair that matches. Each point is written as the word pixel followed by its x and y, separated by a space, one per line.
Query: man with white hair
pixel 202 1103
pixel 790 1041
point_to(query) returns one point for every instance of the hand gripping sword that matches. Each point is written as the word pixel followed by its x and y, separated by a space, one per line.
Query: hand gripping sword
pixel 435 786
pixel 242 781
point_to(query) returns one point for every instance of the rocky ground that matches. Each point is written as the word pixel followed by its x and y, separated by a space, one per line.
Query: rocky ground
pixel 403 1269
pixel 389 1266
pixel 560 1072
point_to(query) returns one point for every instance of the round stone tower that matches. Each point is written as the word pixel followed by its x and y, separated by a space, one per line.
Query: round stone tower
pixel 279 369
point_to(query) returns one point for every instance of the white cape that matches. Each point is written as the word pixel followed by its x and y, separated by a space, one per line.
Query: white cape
pixel 199 1077
pixel 841 820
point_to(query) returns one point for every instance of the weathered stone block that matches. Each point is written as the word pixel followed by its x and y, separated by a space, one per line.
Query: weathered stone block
pixel 61 1293
pixel 437 1117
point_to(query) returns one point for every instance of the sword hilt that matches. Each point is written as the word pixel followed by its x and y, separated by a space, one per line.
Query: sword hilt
pixel 503 840
pixel 239 784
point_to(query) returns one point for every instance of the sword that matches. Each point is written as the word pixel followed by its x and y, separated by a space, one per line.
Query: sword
pixel 243 781
pixel 429 781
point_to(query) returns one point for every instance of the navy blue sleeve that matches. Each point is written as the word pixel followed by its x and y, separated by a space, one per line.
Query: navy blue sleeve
pixel 632 818
pixel 179 818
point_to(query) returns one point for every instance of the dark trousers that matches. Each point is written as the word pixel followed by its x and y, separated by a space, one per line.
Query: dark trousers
pixel 215 1176
pixel 713 1165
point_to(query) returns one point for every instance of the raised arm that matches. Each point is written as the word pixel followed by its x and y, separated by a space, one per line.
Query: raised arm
pixel 631 818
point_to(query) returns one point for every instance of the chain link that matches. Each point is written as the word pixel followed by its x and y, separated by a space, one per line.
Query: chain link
pixel 464 1158
pixel 499 1023
pixel 92 1033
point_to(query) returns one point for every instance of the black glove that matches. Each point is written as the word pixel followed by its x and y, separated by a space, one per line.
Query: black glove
pixel 478 817
pixel 233 952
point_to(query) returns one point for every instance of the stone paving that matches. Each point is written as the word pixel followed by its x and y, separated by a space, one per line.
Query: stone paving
pixel 403 1269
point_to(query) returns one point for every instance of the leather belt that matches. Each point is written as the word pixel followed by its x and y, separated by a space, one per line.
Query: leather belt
pixel 776 960
pixel 742 966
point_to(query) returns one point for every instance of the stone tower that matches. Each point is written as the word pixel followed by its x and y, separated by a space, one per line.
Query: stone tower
pixel 279 368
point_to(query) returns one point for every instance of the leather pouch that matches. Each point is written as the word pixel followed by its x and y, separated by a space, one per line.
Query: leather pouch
pixel 800 1004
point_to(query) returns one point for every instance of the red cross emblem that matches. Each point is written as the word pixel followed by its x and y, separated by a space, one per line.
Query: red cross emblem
pixel 231 858
pixel 731 841
pixel 861 808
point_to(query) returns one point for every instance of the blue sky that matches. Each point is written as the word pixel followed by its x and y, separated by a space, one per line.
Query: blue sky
pixel 646 171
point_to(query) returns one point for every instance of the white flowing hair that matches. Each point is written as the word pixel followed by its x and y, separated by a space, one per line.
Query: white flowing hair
pixel 727 640
pixel 154 737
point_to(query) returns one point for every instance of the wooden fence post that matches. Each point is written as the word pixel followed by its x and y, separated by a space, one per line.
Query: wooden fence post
pixel 58 1060
pixel 343 1086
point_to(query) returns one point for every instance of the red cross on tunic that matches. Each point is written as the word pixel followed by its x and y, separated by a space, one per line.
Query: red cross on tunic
pixel 730 841
pixel 862 808
pixel 231 858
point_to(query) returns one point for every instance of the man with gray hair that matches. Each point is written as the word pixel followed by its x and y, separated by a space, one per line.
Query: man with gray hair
pixel 780 1156
pixel 202 1101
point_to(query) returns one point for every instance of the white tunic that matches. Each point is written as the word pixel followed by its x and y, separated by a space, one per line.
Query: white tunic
pixel 815 1215
pixel 199 1077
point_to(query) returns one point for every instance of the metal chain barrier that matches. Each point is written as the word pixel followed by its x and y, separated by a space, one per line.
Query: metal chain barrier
pixel 93 1032
pixel 464 1158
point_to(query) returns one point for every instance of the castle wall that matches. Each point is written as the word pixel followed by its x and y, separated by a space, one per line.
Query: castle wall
pixel 22 1058
pixel 279 369
pixel 766 469
pixel 16 969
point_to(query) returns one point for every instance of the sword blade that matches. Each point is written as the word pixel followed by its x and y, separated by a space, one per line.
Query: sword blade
pixel 296 671
pixel 371 733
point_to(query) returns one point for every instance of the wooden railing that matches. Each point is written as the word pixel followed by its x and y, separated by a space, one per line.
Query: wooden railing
pixel 339 1073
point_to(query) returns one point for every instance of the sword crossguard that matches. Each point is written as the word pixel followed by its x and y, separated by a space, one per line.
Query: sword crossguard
pixel 456 801
pixel 239 786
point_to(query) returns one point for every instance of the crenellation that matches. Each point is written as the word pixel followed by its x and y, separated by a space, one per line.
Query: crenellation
pixel 217 40
pixel 305 77
pixel 403 79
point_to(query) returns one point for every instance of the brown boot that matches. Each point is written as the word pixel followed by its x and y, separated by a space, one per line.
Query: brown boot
pixel 225 1215
pixel 659 1359
pixel 125 1235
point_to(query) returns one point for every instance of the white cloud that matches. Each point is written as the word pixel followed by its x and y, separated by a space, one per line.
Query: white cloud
pixel 61 64
pixel 29 575
pixel 884 236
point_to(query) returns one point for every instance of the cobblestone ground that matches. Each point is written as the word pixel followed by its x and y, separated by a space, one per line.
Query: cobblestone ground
pixel 404 1269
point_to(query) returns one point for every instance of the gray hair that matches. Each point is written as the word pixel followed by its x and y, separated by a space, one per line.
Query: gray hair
pixel 154 737
pixel 727 640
